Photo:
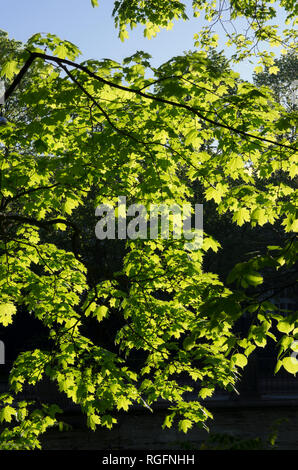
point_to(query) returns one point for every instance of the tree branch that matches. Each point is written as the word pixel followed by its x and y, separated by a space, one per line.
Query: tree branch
pixel 45 225
pixel 61 62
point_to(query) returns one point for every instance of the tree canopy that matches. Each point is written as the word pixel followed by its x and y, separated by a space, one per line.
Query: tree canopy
pixel 247 25
pixel 80 134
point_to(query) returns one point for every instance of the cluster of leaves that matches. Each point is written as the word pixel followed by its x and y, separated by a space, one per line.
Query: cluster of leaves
pixel 246 24
pixel 230 441
pixel 219 441
pixel 104 129
pixel 25 424
pixel 285 83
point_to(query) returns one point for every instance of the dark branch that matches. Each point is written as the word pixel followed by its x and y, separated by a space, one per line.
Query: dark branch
pixel 60 62
pixel 19 77
pixel 45 225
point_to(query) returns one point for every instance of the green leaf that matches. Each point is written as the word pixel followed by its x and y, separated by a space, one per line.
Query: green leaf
pixel 91 308
pixel 100 312
pixel 191 136
pixel 258 69
pixel 273 70
pixel 206 392
pixel 285 327
pixel 123 403
pixel 184 425
pixel 239 360
pixel 168 422
pixel 253 278
pixel 278 366
pixel 290 364
pixel 123 34
pixel 210 243
pixel 7 310
pixel 61 51
pixel 241 216
pixel 9 69
pixel 92 421
pixel 69 205
pixel 216 192
pixel 259 215
pixel 7 413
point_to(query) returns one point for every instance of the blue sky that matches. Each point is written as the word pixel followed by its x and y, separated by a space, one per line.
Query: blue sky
pixel 93 31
